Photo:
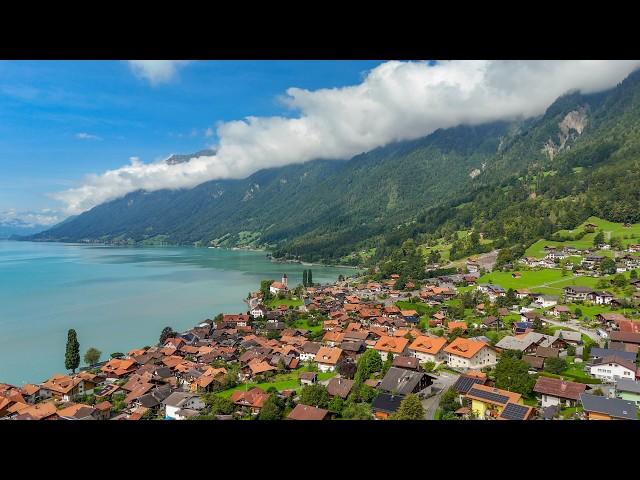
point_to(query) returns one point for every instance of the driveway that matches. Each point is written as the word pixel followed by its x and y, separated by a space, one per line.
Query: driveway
pixel 440 385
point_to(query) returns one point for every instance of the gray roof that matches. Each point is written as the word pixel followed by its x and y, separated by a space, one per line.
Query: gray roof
pixel 177 399
pixel 627 385
pixel 614 407
pixel 606 352
pixel 401 381
pixel 569 335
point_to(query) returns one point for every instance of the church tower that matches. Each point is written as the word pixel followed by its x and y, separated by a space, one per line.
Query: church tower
pixel 285 279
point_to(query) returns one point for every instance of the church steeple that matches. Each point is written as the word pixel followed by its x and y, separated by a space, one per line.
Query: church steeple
pixel 285 279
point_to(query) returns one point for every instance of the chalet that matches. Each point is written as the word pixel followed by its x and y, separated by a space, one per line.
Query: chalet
pixel 234 321
pixel 386 345
pixel 491 322
pixel 259 311
pixel 611 368
pixel 339 387
pixel 62 387
pixel 625 337
pixel 253 399
pixel 402 381
pixel 406 362
pixel 545 301
pixel 575 293
pixel 327 358
pixel 600 298
pixel 598 353
pixel 182 405
pixel 534 362
pixel 306 412
pixel 410 316
pixel 428 349
pixel 522 327
pixel 333 338
pixel 308 378
pixel 597 407
pixel 352 348
pixel 553 391
pixel 592 261
pixel 451 326
pixel 469 354
pixel 558 310
pixel 473 267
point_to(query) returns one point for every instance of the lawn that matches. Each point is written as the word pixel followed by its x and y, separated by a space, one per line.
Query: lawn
pixel 421 308
pixel 274 303
pixel 285 381
pixel 570 411
pixel 304 324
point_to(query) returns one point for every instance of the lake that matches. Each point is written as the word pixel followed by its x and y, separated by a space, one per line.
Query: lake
pixel 117 298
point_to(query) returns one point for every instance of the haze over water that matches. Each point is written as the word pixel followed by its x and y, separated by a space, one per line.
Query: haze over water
pixel 117 298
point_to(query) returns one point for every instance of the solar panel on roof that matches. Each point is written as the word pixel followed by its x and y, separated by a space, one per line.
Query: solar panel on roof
pixel 464 384
pixel 514 411
pixel 490 396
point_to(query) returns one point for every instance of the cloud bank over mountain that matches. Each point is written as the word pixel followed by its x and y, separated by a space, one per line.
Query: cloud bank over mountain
pixel 395 101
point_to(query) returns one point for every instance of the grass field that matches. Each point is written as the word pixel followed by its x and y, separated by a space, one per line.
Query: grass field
pixel 304 324
pixel 274 303
pixel 285 381
pixel 421 308
pixel 548 281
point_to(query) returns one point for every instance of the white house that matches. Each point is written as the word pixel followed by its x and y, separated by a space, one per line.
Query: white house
pixel 182 405
pixel 463 353
pixel 609 369
pixel 428 349
pixel 259 311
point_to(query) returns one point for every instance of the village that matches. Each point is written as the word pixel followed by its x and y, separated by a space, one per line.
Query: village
pixel 462 346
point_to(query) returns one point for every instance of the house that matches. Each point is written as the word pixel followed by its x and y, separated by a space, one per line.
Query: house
pixel 469 354
pixel 182 405
pixel 333 337
pixel 118 367
pixel 625 337
pixel 598 353
pixel 592 261
pixel 569 336
pixel 522 327
pixel 465 381
pixel 609 369
pixel 489 402
pixel 385 405
pixel 394 345
pixel 31 393
pixel 410 316
pixel 235 321
pixel 545 301
pixel 327 358
pixel 339 387
pixel 62 387
pixel 558 310
pixel 406 362
pixel 309 351
pixel 259 311
pixel 629 390
pixel 473 267
pixel 308 378
pixel 554 391
pixel 280 287
pixel 575 293
pixel 352 349
pixel 535 362
pixel 597 407
pixel 306 412
pixel 451 326
pixel 492 322
pixel 428 349
pixel 253 399
pixel 600 298
pixel 403 382
pixel 103 410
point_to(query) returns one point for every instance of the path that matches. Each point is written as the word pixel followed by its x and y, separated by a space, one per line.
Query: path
pixel 440 385
pixel 575 326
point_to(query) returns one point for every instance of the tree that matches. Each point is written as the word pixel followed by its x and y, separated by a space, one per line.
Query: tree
pixel 368 363
pixel 346 368
pixel 272 409
pixel 92 356
pixel 167 332
pixel 217 405
pixel 449 401
pixel 410 409
pixel 578 312
pixel 336 405
pixel 356 411
pixel 304 278
pixel 619 280
pixel 555 365
pixel 513 374
pixel 598 238
pixel 72 355
pixel 310 278
pixel 608 266
pixel 314 395
pixel 633 275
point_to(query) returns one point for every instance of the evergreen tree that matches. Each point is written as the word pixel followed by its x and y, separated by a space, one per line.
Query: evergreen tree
pixel 598 239
pixel 633 275
pixel 304 277
pixel 310 278
pixel 272 408
pixel 72 355
pixel 167 332
pixel 410 409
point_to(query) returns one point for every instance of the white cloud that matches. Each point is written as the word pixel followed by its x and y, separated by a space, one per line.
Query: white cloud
pixel 395 101
pixel 30 219
pixel 156 71
pixel 87 136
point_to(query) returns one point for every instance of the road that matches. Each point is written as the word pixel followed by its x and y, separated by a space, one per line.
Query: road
pixel 444 381
pixel 575 326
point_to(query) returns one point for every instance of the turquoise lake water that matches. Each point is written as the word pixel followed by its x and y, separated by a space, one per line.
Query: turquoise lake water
pixel 117 298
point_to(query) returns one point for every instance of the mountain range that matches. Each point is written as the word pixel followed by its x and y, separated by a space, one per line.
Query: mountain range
pixel 535 175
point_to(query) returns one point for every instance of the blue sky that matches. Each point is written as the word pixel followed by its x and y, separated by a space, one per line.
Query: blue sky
pixel 61 120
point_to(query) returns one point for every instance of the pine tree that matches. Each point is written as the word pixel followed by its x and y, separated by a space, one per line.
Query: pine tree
pixel 304 278
pixel 72 355
pixel 310 278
